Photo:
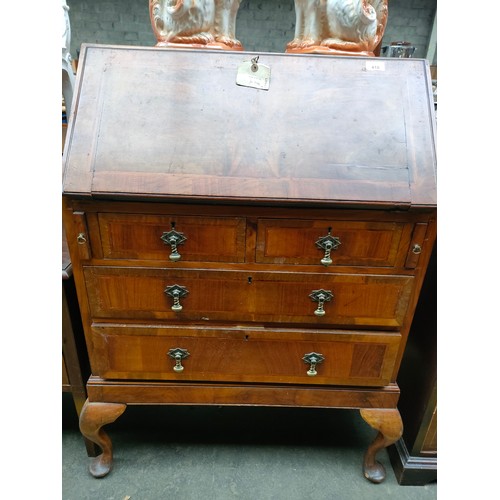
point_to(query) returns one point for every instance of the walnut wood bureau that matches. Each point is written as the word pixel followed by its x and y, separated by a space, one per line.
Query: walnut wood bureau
pixel 248 240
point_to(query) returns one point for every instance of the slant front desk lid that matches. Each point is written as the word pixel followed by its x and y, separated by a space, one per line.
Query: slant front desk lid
pixel 175 124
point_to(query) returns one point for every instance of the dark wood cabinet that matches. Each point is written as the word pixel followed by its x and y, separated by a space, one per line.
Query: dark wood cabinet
pixel 239 246
pixel 414 456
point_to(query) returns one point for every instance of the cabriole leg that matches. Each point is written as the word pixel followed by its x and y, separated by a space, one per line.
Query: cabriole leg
pixel 390 426
pixel 92 418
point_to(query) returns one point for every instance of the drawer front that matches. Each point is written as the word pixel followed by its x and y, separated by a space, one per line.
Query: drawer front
pixel 368 300
pixel 244 355
pixel 207 239
pixel 361 243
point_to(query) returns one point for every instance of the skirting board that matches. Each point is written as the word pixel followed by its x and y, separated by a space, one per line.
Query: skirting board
pixel 410 470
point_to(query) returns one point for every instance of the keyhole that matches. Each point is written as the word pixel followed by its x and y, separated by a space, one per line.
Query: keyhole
pixel 329 229
pixel 249 280
pixel 172 225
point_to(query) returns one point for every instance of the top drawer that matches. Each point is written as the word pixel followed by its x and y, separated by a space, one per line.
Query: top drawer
pixel 346 243
pixel 172 237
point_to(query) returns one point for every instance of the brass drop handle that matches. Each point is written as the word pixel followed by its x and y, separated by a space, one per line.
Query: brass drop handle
pixel 327 260
pixel 177 292
pixel 178 354
pixel 313 359
pixel 321 296
pixel 328 243
pixel 174 239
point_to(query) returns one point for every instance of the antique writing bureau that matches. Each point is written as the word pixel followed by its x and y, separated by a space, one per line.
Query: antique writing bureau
pixel 250 243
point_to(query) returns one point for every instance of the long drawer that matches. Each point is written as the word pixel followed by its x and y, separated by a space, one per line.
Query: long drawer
pixel 244 355
pixel 264 297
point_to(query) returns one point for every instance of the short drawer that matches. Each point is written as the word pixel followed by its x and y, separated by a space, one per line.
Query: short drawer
pixel 244 355
pixel 172 237
pixel 352 243
pixel 265 297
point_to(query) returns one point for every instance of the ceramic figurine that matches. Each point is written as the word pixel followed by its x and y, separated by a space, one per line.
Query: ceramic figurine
pixel 68 77
pixel 195 23
pixel 342 27
pixel 225 22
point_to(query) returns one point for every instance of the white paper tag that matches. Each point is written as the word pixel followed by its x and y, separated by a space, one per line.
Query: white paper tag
pixel 253 74
pixel 375 66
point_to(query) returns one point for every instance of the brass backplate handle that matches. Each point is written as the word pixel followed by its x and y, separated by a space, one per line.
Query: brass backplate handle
pixel 177 292
pixel 328 243
pixel 178 354
pixel 416 249
pixel 321 296
pixel 81 239
pixel 174 239
pixel 313 359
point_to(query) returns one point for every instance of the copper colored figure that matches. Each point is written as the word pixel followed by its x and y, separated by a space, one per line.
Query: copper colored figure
pixel 195 23
pixel 338 27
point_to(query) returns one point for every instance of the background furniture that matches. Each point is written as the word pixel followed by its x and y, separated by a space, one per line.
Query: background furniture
pixel 75 364
pixel 414 456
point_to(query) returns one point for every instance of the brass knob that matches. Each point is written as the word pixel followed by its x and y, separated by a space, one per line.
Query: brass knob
pixel 178 354
pixel 321 296
pixel 177 292
pixel 174 239
pixel 313 359
pixel 81 239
